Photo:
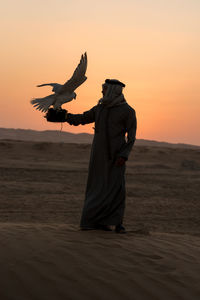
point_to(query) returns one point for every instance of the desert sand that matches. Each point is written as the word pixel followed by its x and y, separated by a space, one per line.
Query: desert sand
pixel 44 255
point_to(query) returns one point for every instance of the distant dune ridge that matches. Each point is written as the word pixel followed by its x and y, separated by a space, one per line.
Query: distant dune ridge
pixel 57 136
pixel 54 136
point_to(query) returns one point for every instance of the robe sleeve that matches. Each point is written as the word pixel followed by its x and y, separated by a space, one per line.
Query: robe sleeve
pixel 81 119
pixel 131 127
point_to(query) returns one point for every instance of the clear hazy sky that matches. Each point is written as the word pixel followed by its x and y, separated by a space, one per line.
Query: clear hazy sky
pixel 151 45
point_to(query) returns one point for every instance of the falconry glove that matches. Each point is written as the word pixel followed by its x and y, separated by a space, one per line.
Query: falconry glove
pixel 53 115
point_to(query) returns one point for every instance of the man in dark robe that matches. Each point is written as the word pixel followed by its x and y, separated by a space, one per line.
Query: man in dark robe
pixel 105 193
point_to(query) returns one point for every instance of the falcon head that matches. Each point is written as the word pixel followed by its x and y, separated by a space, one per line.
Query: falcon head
pixel 74 95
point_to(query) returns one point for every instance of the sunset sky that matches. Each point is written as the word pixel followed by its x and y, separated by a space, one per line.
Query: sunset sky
pixel 153 46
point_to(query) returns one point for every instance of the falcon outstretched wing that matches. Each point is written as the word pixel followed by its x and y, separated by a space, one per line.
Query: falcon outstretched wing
pixel 56 86
pixel 44 84
pixel 77 78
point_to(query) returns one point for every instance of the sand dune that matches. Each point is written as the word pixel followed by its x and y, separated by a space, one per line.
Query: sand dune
pixel 44 255
pixel 59 262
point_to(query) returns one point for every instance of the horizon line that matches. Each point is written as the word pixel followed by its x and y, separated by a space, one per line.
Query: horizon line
pixel 150 140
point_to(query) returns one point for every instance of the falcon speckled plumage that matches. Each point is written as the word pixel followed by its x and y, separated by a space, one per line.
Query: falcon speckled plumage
pixel 63 93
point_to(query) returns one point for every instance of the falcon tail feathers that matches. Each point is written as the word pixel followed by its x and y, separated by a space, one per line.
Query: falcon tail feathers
pixel 43 104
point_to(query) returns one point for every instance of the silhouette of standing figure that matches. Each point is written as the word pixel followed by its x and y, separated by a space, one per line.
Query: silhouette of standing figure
pixel 105 193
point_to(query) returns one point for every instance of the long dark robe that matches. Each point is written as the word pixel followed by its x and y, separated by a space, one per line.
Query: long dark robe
pixel 105 193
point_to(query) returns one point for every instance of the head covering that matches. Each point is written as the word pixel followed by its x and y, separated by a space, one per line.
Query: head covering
pixel 115 81
pixel 113 95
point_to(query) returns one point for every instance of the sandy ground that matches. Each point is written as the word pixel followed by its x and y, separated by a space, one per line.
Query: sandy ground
pixel 44 255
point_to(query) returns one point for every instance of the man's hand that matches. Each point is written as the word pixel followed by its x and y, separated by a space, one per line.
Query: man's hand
pixel 56 115
pixel 120 161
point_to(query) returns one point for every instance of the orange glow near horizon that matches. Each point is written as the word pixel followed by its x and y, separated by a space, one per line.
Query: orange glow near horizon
pixel 153 48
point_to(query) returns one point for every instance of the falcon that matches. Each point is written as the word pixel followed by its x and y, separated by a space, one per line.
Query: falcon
pixel 63 93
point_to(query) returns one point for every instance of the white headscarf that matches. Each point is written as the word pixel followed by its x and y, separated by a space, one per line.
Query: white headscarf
pixel 113 95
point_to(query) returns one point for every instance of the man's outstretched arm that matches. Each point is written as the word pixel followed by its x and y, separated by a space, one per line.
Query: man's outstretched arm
pixel 73 119
pixel 81 119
